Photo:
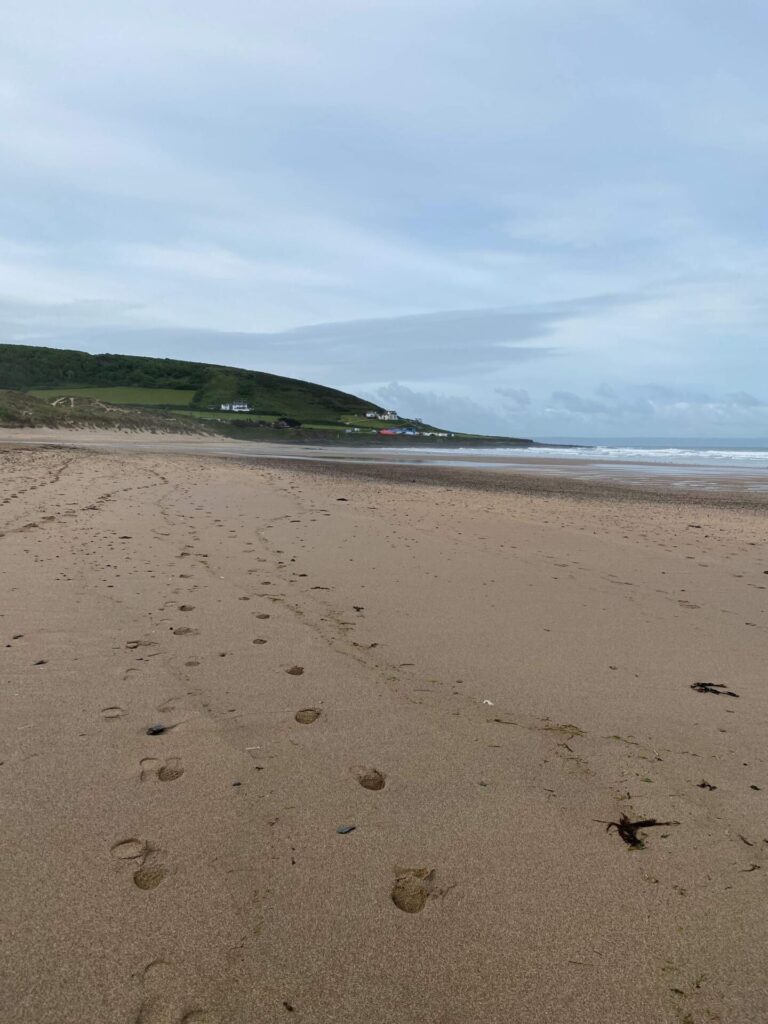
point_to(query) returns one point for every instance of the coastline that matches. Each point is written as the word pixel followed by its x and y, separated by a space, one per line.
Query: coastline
pixel 533 474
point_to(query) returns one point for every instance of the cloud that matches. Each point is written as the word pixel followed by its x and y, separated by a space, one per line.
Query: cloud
pixel 433 345
pixel 645 410
pixel 651 408
pixel 514 398
pixel 454 412
pixel 567 401
pixel 742 400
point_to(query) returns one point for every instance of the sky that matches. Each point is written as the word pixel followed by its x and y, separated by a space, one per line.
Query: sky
pixel 531 217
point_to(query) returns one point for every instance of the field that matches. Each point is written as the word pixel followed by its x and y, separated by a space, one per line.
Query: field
pixel 258 417
pixel 241 417
pixel 180 399
pixel 119 395
pixel 171 383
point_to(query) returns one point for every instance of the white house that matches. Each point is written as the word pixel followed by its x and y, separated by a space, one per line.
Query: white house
pixel 235 407
pixel 389 415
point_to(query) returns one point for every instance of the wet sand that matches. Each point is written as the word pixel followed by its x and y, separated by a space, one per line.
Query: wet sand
pixel 521 470
pixel 395 717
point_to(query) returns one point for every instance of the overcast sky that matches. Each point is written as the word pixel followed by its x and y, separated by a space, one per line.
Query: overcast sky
pixel 545 217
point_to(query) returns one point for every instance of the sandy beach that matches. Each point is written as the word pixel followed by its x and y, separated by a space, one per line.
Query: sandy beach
pixel 291 742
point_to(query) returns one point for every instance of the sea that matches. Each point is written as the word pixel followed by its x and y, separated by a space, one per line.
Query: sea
pixel 702 463
pixel 749 453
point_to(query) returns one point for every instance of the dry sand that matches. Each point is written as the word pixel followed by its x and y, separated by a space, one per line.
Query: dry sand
pixel 506 672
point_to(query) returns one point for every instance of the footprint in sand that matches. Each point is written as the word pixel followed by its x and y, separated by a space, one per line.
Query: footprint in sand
pixel 166 1000
pixel 307 716
pixel 150 872
pixel 113 712
pixel 171 770
pixel 129 849
pixel 412 888
pixel 169 705
pixel 148 768
pixel 149 876
pixel 160 1010
pixel 165 771
pixel 372 778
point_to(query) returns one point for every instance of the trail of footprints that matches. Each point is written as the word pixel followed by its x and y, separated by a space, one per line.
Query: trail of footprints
pixel 140 860
pixel 145 861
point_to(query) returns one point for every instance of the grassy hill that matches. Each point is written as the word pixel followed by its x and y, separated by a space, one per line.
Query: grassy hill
pixel 18 409
pixel 61 387
pixel 165 383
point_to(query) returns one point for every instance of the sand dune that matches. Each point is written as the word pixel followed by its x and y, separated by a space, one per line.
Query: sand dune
pixel 289 744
